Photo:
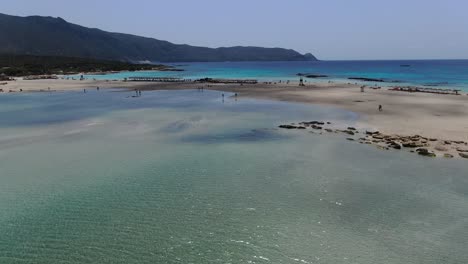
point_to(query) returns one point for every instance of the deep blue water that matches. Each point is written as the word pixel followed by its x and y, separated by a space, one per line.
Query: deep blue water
pixel 431 73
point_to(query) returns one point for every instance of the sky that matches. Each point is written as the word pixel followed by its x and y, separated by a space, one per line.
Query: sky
pixel 329 29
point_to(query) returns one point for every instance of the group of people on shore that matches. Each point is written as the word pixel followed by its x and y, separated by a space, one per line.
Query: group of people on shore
pixel 10 91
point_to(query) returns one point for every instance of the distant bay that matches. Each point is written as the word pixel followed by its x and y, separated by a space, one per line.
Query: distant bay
pixel 452 74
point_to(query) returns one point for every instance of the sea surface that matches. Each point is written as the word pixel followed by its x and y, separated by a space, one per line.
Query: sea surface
pixel 449 74
pixel 185 177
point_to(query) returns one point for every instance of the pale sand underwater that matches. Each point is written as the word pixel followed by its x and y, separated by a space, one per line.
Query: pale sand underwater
pixel 429 115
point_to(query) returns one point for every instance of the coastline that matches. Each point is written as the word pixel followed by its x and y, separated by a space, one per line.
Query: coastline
pixel 428 115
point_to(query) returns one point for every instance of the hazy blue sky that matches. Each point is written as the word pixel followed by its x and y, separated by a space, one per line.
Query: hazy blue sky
pixel 330 29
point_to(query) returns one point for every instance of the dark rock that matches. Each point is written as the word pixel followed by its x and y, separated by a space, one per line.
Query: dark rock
pixel 411 144
pixel 351 128
pixel 288 126
pixel 372 133
pixel 350 139
pixel 425 152
pixel 463 155
pixel 366 79
pixel 313 123
pixel 318 123
pixel 316 76
pixel 349 132
pixel 307 75
pixel 378 136
pixel 394 145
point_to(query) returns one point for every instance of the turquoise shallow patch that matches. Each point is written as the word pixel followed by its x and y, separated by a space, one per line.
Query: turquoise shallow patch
pixel 451 74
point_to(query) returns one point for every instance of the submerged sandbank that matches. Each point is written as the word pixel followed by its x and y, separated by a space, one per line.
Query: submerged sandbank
pixel 428 115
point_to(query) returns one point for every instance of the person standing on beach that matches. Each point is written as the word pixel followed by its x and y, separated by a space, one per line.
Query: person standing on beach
pixel 301 82
pixel 380 108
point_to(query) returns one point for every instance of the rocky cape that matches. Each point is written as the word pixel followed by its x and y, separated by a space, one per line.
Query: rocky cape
pixel 49 36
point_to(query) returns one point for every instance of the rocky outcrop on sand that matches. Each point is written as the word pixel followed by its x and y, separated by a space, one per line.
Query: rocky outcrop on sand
pixel 364 79
pixel 291 127
pixel 423 146
pixel 307 75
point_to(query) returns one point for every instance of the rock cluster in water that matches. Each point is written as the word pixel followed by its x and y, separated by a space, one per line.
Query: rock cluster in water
pixel 308 75
pixel 424 146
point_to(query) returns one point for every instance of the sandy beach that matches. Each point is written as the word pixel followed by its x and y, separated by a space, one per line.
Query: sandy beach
pixel 429 115
pixel 59 85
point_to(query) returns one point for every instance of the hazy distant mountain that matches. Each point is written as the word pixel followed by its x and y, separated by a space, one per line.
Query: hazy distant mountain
pixel 50 36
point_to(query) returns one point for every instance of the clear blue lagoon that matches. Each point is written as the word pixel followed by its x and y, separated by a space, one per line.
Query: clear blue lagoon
pixel 183 177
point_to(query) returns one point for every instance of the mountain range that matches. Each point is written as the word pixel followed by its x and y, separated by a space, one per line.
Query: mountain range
pixel 49 36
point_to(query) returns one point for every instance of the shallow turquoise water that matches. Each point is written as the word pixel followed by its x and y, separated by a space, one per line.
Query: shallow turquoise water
pixel 430 73
pixel 181 177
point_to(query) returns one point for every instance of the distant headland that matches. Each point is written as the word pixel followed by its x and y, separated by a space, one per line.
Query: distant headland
pixel 48 36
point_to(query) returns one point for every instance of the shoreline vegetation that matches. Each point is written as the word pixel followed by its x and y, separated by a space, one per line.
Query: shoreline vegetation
pixel 429 124
pixel 27 65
